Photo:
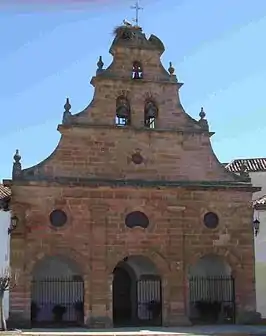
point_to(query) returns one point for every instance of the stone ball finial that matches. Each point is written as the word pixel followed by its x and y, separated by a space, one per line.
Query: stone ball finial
pixel 67 105
pixel 17 171
pixel 100 63
pixel 171 69
pixel 17 156
pixel 202 114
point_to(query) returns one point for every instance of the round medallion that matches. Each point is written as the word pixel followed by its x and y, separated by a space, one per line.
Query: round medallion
pixel 137 218
pixel 211 220
pixel 58 218
pixel 137 158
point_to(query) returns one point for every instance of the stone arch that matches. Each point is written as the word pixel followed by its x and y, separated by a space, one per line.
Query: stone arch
pixel 123 111
pixel 150 113
pixel 136 286
pixel 228 255
pixel 52 250
pixel 210 265
pixel 137 70
pixel 58 266
pixel 158 260
pixel 141 265
pixel 211 289
pixel 57 292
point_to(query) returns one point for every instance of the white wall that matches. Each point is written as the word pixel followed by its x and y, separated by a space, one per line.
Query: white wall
pixel 260 265
pixel 4 252
pixel 258 179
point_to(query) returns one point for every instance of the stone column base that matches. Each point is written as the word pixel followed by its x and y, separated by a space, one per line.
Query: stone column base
pixel 18 321
pixel 99 322
pixel 178 320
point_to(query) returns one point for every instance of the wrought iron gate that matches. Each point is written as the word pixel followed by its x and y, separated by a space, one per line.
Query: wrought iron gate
pixel 149 300
pixel 57 301
pixel 212 299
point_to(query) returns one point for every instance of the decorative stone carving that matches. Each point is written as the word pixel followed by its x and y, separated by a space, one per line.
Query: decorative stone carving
pixel 67 113
pixel 17 171
pixel 137 158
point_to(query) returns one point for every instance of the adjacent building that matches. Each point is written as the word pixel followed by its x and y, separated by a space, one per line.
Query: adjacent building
pixel 5 194
pixel 256 167
pixel 132 220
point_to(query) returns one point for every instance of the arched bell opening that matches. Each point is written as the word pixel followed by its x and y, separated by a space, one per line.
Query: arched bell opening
pixel 137 297
pixel 150 114
pixel 57 293
pixel 137 70
pixel 123 115
pixel 211 291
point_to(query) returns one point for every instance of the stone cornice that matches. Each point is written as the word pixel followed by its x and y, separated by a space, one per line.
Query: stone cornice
pixel 72 125
pixel 94 183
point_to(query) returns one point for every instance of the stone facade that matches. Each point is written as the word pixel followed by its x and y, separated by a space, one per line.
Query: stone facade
pixel 100 172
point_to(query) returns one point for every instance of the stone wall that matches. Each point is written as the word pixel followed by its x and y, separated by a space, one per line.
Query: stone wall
pixel 96 238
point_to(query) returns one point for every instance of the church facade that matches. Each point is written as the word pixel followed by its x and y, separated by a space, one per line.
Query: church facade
pixel 131 220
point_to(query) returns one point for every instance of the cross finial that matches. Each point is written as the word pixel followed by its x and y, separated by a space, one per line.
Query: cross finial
pixel 137 9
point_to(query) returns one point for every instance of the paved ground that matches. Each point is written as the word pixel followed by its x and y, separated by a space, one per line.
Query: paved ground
pixel 189 331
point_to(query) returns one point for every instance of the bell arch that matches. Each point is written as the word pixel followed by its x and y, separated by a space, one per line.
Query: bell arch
pixel 137 70
pixel 150 113
pixel 123 113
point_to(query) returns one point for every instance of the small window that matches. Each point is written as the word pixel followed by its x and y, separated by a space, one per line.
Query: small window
pixel 58 218
pixel 137 218
pixel 122 111
pixel 137 72
pixel 150 114
pixel 211 220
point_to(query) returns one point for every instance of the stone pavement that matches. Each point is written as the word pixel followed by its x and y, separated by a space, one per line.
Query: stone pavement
pixel 226 330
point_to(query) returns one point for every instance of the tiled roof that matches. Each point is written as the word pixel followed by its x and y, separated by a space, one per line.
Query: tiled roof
pixel 253 165
pixel 4 192
pixel 260 202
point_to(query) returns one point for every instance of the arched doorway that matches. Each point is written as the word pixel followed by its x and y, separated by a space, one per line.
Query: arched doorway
pixel 137 297
pixel 57 293
pixel 122 304
pixel 211 291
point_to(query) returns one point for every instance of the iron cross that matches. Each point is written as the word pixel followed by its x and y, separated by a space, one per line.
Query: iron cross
pixel 137 9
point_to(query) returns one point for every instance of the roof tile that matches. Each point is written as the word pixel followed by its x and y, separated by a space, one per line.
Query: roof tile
pixel 260 201
pixel 253 165
pixel 4 192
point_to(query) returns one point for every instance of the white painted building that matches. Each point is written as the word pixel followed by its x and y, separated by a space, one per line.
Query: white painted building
pixel 257 172
pixel 4 239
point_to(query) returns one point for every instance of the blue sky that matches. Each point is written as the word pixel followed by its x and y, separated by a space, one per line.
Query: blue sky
pixel 49 52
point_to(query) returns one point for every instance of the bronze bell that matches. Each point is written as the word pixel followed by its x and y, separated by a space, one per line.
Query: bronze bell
pixel 151 111
pixel 122 111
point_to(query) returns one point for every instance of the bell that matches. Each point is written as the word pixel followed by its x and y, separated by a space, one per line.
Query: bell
pixel 151 111
pixel 122 111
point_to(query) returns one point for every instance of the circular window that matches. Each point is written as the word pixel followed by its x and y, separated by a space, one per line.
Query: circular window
pixel 58 218
pixel 137 158
pixel 137 218
pixel 211 220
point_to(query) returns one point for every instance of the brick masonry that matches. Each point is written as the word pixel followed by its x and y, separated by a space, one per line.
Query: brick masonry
pixel 95 236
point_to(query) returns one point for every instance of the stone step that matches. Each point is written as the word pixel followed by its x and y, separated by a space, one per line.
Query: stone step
pixel 182 331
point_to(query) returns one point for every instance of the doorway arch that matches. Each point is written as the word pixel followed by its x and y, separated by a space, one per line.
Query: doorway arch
pixel 137 293
pixel 211 291
pixel 57 293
